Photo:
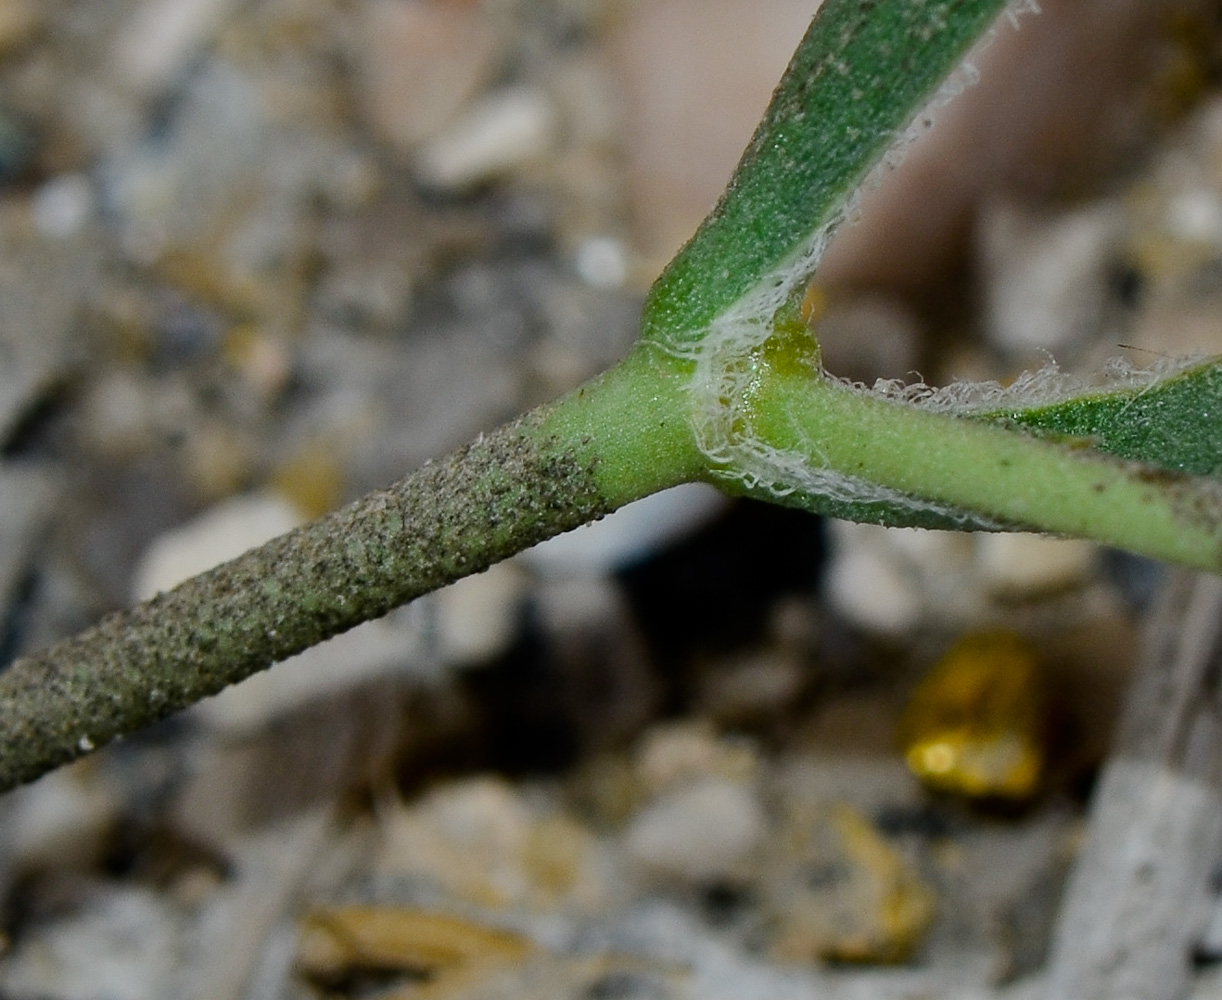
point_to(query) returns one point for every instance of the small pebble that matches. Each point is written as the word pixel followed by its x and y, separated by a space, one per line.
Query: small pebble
pixel 63 205
pixel 163 37
pixel 699 832
pixel 343 943
pixel 221 533
pixel 118 943
pixel 675 755
pixel 264 361
pixel 478 617
pixel 602 263
pixel 483 841
pixel 496 135
pixel 1021 566
pixel 839 891
pixel 976 725
pixel 869 586
pixel 421 62
pixel 1195 215
pixel 752 689
pixel 929 548
pixel 1046 278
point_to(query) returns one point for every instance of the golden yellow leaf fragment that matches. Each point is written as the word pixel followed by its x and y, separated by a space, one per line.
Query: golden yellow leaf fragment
pixel 846 894
pixel 976 725
pixel 447 952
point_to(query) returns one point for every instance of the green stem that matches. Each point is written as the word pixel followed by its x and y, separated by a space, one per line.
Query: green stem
pixel 1010 477
pixel 620 437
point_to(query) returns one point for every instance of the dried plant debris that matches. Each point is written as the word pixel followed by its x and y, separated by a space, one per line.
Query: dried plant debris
pixel 977 723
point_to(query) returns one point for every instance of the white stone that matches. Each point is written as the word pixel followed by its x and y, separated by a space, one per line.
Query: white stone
pixel 477 617
pixel 679 754
pixel 629 534
pixel 483 841
pixel 120 945
pixel 216 536
pixel 868 584
pixel 63 205
pixel 1196 215
pixel 162 38
pixel 420 64
pixel 924 546
pixel 496 134
pixel 60 823
pixel 1046 278
pixel 483 816
pixel 698 832
pixel 602 262
pixel 1022 565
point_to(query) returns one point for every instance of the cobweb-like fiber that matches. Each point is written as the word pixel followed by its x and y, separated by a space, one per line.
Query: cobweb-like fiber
pixel 1044 386
pixel 724 363
pixel 720 391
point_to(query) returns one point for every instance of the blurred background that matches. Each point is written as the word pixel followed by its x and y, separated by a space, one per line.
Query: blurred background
pixel 258 257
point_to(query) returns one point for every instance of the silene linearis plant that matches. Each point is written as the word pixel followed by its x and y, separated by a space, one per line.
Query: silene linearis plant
pixel 724 385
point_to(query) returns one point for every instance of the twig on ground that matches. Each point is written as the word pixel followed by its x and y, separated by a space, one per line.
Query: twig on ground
pixel 1138 898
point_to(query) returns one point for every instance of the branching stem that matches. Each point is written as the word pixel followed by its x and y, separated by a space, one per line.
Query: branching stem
pixel 619 437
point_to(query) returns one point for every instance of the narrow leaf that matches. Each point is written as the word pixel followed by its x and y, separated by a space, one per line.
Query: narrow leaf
pixel 861 74
pixel 1174 424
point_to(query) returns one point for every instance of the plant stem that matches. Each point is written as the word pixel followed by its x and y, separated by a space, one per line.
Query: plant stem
pixel 622 436
pixel 1015 479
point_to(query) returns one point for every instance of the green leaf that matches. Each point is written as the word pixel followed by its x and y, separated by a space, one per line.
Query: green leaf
pixel 861 73
pixel 1174 424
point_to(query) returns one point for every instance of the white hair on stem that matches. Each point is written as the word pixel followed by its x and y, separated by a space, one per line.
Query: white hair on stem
pixel 723 356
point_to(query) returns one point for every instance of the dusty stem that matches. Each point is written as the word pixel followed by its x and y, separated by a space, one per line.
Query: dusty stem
pixel 449 519
pixel 621 436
